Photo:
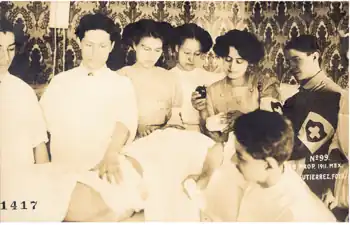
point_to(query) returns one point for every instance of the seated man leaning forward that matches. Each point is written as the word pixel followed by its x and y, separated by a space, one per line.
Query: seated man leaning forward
pixel 273 191
pixel 91 113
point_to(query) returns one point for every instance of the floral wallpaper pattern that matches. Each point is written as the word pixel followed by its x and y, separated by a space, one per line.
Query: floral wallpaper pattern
pixel 273 22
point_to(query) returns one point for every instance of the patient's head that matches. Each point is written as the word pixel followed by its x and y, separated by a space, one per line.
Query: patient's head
pixel 264 141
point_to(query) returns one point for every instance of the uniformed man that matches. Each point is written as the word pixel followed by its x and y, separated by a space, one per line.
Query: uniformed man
pixel 314 111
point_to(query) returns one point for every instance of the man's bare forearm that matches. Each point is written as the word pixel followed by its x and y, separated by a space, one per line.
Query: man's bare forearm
pixel 119 137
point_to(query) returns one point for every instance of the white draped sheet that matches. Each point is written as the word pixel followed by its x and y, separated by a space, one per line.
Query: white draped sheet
pixel 168 157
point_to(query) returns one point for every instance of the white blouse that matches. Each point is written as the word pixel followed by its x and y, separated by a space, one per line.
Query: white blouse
pixel 189 80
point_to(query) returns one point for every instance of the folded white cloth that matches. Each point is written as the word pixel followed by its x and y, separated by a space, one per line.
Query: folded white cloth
pixel 213 123
pixel 221 199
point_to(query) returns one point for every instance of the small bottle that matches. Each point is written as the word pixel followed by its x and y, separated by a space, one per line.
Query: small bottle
pixel 202 90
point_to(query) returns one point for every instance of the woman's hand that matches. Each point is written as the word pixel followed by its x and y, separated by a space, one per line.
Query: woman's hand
pixel 110 167
pixel 198 103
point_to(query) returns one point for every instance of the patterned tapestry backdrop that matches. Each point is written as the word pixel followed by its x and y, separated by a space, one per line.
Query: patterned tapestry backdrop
pixel 273 22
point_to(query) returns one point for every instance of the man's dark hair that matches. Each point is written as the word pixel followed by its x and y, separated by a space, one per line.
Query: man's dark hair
pixel 193 31
pixel 247 45
pixel 265 134
pixel 5 25
pixel 98 22
pixel 303 43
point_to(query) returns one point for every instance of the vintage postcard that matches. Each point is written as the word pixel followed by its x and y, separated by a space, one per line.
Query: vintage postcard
pixel 174 111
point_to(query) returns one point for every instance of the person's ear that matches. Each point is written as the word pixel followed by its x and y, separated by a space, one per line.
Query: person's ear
pixel 271 163
pixel 133 47
pixel 315 56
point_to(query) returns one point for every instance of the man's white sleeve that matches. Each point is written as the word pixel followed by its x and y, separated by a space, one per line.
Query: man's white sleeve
pixel 127 112
pixel 35 119
pixel 47 102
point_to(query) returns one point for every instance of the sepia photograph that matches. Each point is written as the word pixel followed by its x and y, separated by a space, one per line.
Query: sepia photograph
pixel 174 111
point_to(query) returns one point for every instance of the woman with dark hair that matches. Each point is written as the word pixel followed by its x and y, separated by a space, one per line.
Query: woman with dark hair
pixel 240 91
pixel 164 164
pixel 190 42
pixel 156 89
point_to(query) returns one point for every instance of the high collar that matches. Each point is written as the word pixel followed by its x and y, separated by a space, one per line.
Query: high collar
pixel 177 69
pixel 314 83
pixel 101 71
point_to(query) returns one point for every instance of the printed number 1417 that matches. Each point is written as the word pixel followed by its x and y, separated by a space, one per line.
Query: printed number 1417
pixel 20 205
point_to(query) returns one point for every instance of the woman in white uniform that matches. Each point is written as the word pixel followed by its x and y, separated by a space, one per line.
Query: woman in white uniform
pixel 157 90
pixel 190 43
pixel 165 163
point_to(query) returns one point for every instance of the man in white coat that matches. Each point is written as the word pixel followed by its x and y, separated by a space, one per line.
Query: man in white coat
pixel 91 114
pixel 24 193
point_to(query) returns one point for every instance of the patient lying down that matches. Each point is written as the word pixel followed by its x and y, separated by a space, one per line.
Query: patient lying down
pixel 182 177
pixel 152 169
